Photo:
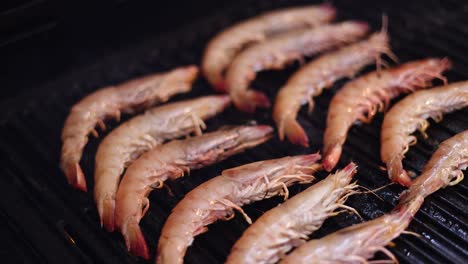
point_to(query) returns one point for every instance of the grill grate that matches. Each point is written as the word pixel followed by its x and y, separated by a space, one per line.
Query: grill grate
pixel 54 224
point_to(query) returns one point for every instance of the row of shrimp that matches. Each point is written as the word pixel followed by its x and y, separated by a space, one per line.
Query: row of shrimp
pixel 358 101
pixel 145 151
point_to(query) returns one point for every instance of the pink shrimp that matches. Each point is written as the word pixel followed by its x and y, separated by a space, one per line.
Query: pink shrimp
pixel 321 73
pixel 445 168
pixel 171 161
pixel 288 225
pixel 281 50
pixel 141 133
pixel 109 102
pixel 410 114
pixel 218 198
pixel 360 99
pixel 222 49
pixel 356 244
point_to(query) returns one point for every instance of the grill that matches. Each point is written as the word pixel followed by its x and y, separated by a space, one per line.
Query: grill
pixel 46 221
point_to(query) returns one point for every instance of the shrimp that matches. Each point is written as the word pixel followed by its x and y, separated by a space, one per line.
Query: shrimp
pixel 171 161
pixel 357 243
pixel 140 134
pixel 360 99
pixel 219 197
pixel 281 50
pixel 222 49
pixel 445 168
pixel 109 102
pixel 321 73
pixel 410 114
pixel 288 225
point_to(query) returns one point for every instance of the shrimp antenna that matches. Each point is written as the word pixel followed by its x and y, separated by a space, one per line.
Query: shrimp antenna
pixel 406 232
pixel 375 190
pixel 384 28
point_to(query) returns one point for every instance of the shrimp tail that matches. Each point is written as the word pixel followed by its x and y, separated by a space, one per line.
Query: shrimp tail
pixel 332 155
pixel 135 241
pixel 220 87
pixel 397 173
pixel 251 100
pixel 107 215
pixel 76 177
pixel 295 132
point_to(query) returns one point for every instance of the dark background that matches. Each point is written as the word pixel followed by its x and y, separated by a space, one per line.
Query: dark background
pixel 42 39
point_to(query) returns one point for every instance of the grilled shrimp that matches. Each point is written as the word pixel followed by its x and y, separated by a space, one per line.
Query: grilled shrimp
pixel 278 52
pixel 445 168
pixel 321 73
pixel 171 161
pixel 360 99
pixel 288 225
pixel 219 197
pixel 357 243
pixel 141 133
pixel 222 49
pixel 110 102
pixel 410 114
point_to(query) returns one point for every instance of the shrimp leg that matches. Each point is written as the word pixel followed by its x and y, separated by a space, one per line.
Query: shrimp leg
pixel 140 134
pixel 217 198
pixel 287 226
pixel 281 50
pixel 319 74
pixel 222 49
pixel 360 99
pixel 410 114
pixel 109 102
pixel 171 161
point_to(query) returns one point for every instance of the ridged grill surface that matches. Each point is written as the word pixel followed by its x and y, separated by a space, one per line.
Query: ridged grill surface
pixel 48 222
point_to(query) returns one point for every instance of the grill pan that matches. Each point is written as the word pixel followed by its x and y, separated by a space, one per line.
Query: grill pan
pixel 44 220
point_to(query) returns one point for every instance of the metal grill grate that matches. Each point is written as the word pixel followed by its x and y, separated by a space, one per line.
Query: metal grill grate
pixel 54 224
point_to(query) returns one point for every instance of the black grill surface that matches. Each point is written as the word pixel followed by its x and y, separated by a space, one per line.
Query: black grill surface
pixel 45 221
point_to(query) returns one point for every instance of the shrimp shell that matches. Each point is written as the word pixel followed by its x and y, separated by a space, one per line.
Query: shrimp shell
pixel 171 161
pixel 219 197
pixel 281 50
pixel 445 168
pixel 222 49
pixel 357 243
pixel 362 98
pixel 141 133
pixel 319 74
pixel 410 114
pixel 109 102
pixel 288 225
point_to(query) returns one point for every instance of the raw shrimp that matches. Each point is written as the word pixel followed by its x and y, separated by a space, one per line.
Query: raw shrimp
pixel 362 98
pixel 357 243
pixel 219 197
pixel 321 73
pixel 281 50
pixel 171 161
pixel 141 133
pixel 288 225
pixel 410 114
pixel 445 168
pixel 109 102
pixel 222 49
